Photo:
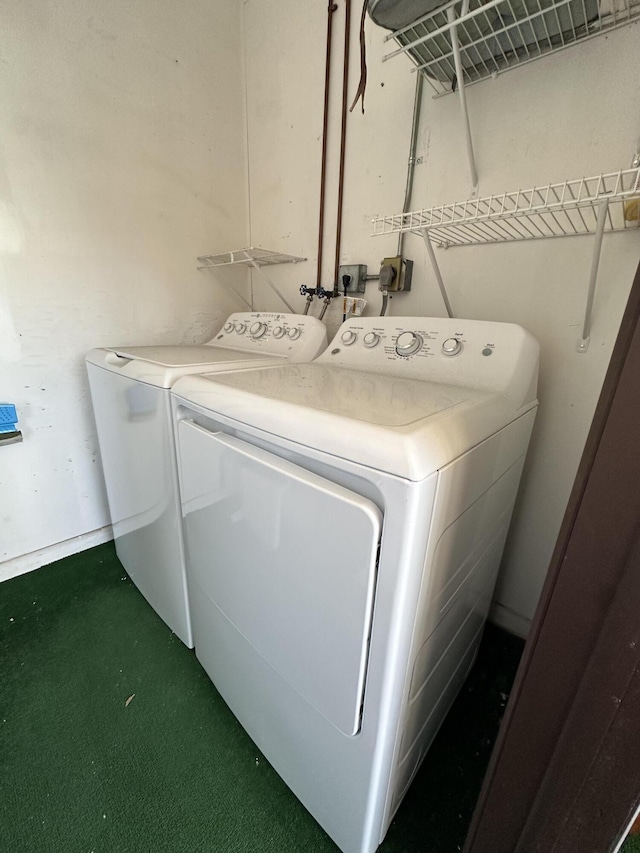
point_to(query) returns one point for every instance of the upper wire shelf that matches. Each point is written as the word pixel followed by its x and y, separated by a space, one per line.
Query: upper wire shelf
pixel 252 256
pixel 556 210
pixel 497 35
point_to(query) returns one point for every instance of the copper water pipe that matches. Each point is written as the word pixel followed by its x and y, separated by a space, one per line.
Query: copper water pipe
pixel 323 172
pixel 343 137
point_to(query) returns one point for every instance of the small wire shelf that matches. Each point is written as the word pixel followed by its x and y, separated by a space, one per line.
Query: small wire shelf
pixel 251 256
pixel 556 210
pixel 255 258
pixel 498 35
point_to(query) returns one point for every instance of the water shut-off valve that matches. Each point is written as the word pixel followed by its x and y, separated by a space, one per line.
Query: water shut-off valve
pixel 326 296
pixel 309 292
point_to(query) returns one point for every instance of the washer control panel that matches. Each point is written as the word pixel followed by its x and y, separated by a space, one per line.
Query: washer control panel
pixel 296 336
pixel 474 353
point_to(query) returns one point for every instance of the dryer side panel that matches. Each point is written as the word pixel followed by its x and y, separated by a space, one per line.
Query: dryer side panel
pixel 474 502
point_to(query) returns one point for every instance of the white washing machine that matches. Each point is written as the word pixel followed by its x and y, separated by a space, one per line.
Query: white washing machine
pixel 344 522
pixel 130 395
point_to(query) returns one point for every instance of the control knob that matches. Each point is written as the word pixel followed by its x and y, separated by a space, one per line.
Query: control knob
pixel 279 332
pixel 408 343
pixel 241 328
pixel 228 327
pixel 257 330
pixel 294 334
pixel 371 339
pixel 349 337
pixel 451 346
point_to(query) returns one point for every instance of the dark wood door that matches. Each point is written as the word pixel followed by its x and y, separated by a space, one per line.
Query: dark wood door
pixel 565 773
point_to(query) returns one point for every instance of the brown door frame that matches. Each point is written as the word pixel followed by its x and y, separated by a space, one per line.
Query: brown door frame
pixel 564 776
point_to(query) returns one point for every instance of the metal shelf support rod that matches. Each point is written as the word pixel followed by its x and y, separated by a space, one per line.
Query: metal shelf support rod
pixel 451 14
pixel 272 286
pixel 603 209
pixel 436 272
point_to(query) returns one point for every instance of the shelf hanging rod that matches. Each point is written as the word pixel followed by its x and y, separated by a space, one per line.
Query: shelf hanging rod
pixel 258 268
pixel 451 14
pixel 603 210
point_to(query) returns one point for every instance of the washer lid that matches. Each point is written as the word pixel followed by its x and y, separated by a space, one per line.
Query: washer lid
pixel 163 365
pixel 190 356
pixel 406 427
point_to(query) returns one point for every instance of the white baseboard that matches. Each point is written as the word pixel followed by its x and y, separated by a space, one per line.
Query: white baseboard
pixel 28 562
pixel 514 623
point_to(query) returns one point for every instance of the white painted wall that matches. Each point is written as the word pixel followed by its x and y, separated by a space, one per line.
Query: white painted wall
pixel 122 158
pixel 570 115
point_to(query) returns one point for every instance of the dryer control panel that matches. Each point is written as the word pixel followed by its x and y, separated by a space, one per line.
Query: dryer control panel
pixel 501 357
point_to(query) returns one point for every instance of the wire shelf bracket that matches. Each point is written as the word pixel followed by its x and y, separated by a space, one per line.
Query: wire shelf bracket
pixel 597 205
pixel 255 258
pixel 603 209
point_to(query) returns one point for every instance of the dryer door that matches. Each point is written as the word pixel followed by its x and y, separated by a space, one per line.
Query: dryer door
pixel 289 558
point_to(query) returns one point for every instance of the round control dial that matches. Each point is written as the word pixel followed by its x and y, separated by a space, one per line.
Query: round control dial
pixel 371 339
pixel 294 334
pixel 408 343
pixel 241 328
pixel 228 327
pixel 349 337
pixel 451 346
pixel 257 330
pixel 279 332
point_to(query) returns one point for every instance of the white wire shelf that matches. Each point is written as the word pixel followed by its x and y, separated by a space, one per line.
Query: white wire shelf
pixel 255 258
pixel 498 35
pixel 556 210
pixel 251 256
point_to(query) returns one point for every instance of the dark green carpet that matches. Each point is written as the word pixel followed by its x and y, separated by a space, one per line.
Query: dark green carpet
pixel 172 771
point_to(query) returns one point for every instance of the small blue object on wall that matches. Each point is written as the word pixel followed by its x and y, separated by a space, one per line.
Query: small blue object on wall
pixel 8 417
pixel 9 431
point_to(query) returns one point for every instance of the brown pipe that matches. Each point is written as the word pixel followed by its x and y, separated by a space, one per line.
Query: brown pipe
pixel 323 172
pixel 343 138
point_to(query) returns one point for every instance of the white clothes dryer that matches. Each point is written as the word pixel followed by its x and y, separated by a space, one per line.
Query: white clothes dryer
pixel 130 396
pixel 344 522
